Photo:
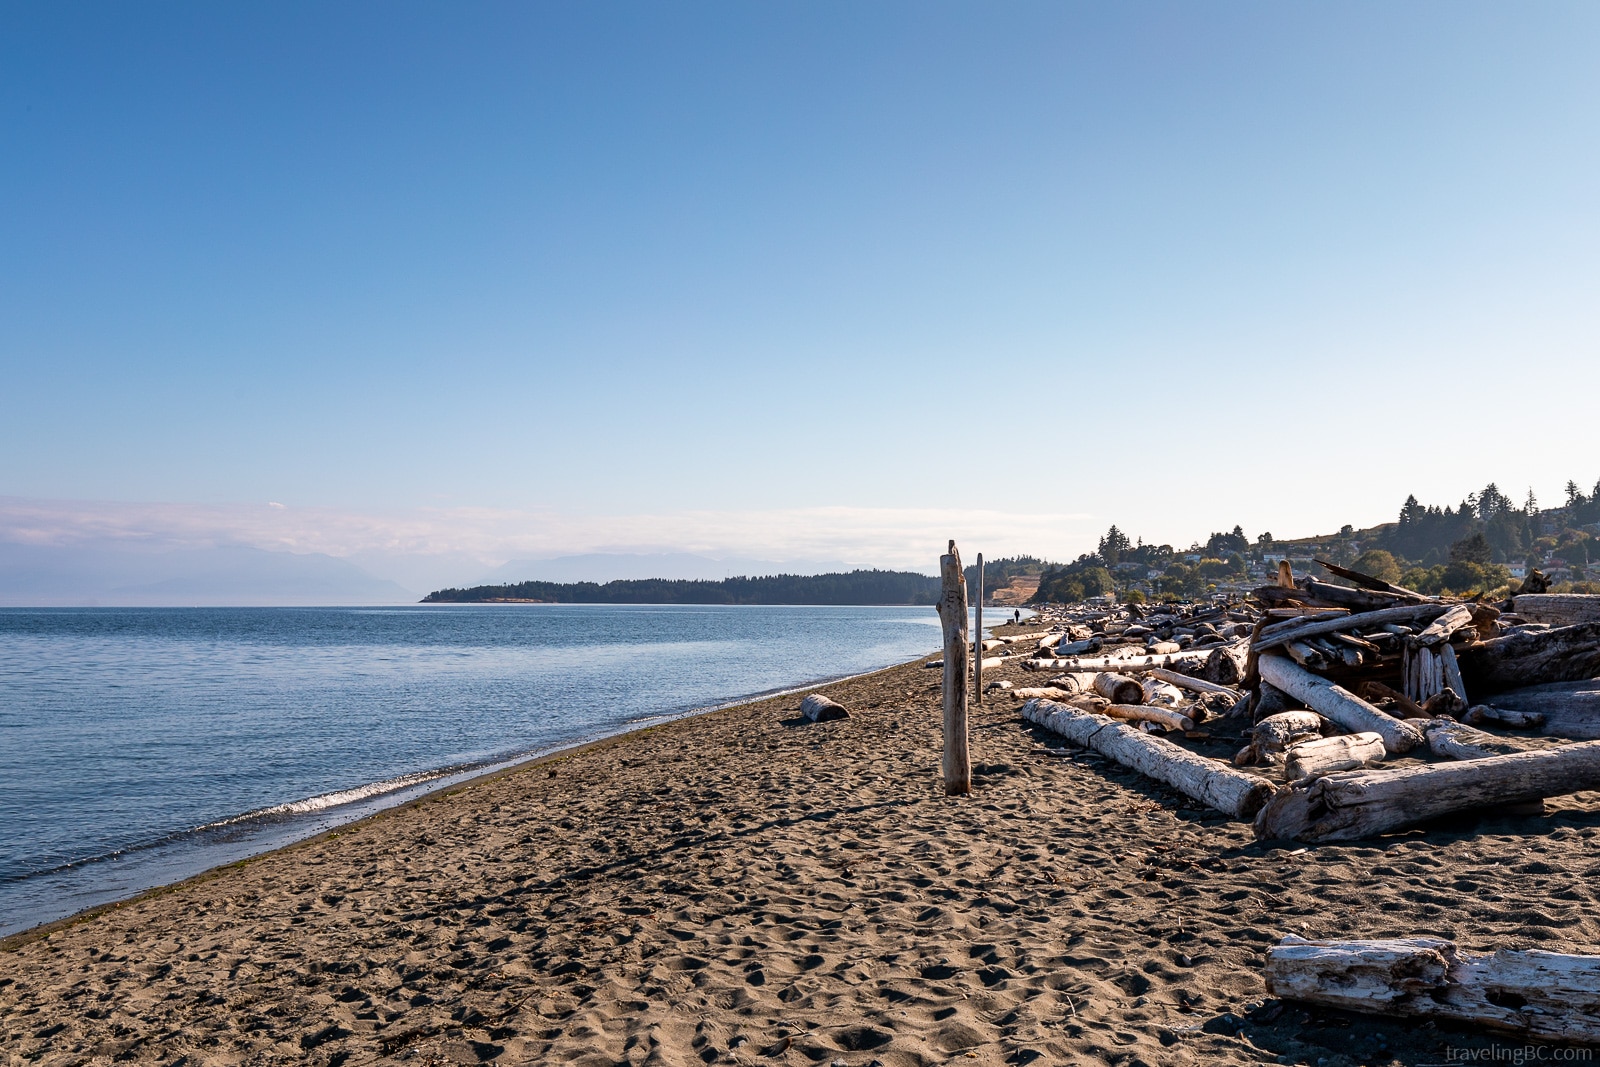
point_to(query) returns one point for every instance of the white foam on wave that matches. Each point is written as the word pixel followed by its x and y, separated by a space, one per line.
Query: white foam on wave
pixel 338 798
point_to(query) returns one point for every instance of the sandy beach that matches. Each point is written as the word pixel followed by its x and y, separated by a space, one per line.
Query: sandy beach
pixel 748 887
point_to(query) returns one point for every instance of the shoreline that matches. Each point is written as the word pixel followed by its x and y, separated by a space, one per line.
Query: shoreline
pixel 745 887
pixel 494 769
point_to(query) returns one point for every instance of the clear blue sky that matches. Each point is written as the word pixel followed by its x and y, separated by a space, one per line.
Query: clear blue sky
pixel 1183 265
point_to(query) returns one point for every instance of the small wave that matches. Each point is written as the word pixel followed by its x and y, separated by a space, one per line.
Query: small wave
pixel 338 798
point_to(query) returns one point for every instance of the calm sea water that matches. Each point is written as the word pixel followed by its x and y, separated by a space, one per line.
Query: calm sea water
pixel 140 746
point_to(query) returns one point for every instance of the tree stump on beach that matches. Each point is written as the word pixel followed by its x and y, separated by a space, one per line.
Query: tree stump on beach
pixel 953 614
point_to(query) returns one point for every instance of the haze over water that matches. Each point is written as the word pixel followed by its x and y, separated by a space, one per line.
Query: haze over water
pixel 139 746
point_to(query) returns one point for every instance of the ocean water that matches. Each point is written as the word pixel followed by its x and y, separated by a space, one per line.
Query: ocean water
pixel 139 746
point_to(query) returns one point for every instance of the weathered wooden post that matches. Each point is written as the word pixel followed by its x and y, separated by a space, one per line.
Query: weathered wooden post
pixel 977 637
pixel 953 614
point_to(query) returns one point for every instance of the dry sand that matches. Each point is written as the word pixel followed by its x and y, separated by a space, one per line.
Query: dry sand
pixel 745 887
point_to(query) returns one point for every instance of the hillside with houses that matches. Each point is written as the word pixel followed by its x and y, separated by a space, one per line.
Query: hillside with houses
pixel 1485 544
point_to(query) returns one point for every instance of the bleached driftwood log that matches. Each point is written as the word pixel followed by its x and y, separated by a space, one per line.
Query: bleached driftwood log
pixel 1119 688
pixel 1194 685
pixel 1046 692
pixel 1271 737
pixel 1357 804
pixel 1073 683
pixel 1338 704
pixel 1214 784
pixel 1557 609
pixel 1130 665
pixel 1446 737
pixel 819 708
pixel 1538 994
pixel 1565 709
pixel 1326 755
pixel 1166 717
pixel 1565 654
pixel 1489 715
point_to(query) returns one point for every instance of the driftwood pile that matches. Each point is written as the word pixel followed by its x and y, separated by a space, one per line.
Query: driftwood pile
pixel 1362 707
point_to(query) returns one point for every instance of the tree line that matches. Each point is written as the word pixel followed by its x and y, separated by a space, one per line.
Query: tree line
pixel 874 587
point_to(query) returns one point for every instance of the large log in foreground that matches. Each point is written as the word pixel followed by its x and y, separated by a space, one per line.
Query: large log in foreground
pixel 1356 804
pixel 1557 609
pixel 1338 704
pixel 1213 784
pixel 1565 654
pixel 1538 994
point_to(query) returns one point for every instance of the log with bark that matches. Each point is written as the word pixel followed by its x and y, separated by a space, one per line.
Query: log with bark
pixel 1356 804
pixel 819 708
pixel 1214 784
pixel 1528 992
pixel 1564 654
pixel 1338 704
pixel 1326 755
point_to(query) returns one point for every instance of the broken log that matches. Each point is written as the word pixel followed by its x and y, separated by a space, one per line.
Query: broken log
pixel 1528 992
pixel 1326 755
pixel 1073 683
pixel 1564 654
pixel 819 708
pixel 1485 714
pixel 1338 704
pixel 1214 784
pixel 1356 804
pixel 1159 693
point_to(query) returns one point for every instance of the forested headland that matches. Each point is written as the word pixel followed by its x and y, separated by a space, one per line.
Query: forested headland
pixel 855 587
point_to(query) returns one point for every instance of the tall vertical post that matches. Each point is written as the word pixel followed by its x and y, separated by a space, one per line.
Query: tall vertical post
pixel 953 614
pixel 977 637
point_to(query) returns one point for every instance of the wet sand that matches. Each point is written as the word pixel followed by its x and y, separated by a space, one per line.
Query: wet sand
pixel 747 887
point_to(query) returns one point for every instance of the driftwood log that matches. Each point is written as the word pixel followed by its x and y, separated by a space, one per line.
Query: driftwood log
pixel 819 708
pixel 1446 737
pixel 1565 654
pixel 1565 709
pixel 1166 717
pixel 1356 804
pixel 1178 661
pixel 1119 688
pixel 1194 685
pixel 1338 704
pixel 1326 755
pixel 1271 737
pixel 1073 683
pixel 1280 633
pixel 1158 692
pixel 1227 664
pixel 1533 993
pixel 1214 784
pixel 1557 609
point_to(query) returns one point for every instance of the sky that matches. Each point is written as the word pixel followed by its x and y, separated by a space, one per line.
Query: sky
pixel 432 287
